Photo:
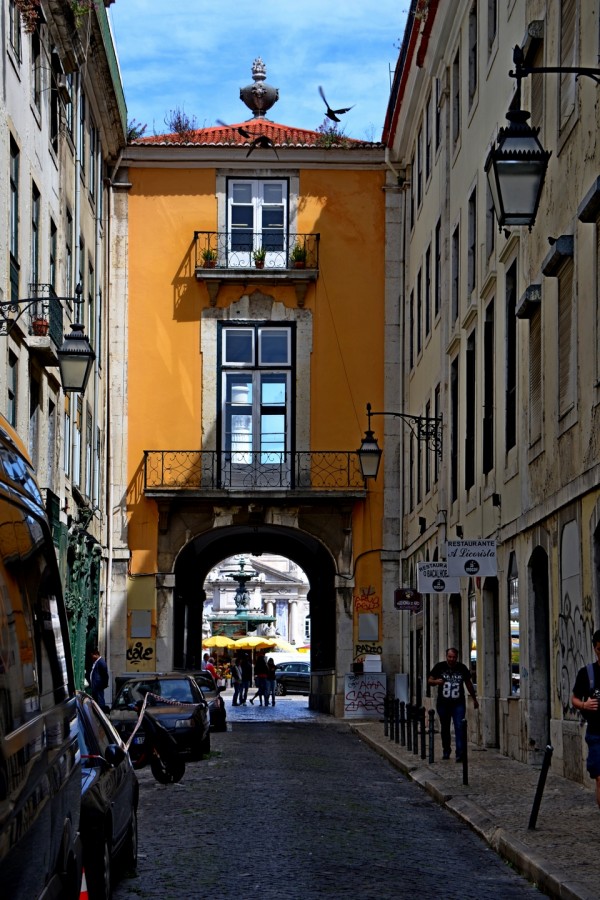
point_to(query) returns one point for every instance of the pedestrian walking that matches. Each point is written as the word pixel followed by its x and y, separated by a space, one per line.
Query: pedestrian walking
pixel 210 667
pixel 260 679
pixel 271 680
pixel 451 678
pixel 236 680
pixel 205 659
pixel 98 679
pixel 586 694
pixel 246 667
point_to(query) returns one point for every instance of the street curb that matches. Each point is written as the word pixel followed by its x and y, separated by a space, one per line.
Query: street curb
pixel 525 860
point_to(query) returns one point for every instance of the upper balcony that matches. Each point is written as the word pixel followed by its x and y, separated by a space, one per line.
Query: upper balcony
pixel 213 474
pixel 39 317
pixel 242 257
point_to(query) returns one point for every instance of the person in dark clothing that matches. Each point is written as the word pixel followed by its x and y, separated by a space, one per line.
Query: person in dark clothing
pixel 451 678
pixel 586 694
pixel 98 678
pixel 236 680
pixel 246 667
pixel 271 680
pixel 260 679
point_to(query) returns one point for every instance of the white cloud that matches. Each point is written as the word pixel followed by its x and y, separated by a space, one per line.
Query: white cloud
pixel 196 55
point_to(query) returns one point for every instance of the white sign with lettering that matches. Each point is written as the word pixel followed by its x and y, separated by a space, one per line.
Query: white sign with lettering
pixel 432 578
pixel 472 558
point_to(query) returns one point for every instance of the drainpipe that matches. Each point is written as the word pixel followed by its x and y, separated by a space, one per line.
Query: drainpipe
pixel 107 422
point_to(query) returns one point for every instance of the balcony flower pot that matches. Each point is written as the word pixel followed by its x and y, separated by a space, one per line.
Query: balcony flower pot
pixel 209 259
pixel 40 327
pixel 259 257
pixel 298 256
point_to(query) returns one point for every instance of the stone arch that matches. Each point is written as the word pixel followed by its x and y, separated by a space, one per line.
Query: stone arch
pixel 330 609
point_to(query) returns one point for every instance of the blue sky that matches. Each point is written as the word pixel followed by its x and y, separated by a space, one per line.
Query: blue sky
pixel 195 55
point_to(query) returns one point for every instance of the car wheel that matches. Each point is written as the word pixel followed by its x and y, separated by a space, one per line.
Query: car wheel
pixel 130 847
pixel 280 689
pixel 205 746
pixel 170 774
pixel 98 874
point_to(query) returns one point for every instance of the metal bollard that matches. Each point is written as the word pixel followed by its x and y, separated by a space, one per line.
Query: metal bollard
pixel 540 788
pixel 396 721
pixel 416 730
pixel 402 723
pixel 465 754
pixel 408 727
pixel 386 714
pixel 422 725
pixel 431 735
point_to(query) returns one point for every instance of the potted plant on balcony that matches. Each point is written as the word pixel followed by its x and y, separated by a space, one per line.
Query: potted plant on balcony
pixel 298 256
pixel 39 326
pixel 258 256
pixel 209 258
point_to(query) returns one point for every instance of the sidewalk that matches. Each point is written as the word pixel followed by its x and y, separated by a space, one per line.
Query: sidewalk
pixel 561 855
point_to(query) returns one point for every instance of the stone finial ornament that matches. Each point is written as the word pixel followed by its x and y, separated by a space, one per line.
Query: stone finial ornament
pixel 260 96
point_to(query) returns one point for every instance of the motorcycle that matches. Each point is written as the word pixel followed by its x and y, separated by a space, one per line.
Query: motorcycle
pixel 159 750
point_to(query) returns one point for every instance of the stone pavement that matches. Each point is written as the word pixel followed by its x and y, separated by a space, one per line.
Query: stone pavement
pixel 561 855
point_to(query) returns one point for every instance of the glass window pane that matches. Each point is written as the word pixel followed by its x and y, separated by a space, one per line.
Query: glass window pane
pixel 273 391
pixel 272 216
pixel 238 418
pixel 239 345
pixel 241 216
pixel 241 193
pixel 274 344
pixel 272 192
pixel 272 436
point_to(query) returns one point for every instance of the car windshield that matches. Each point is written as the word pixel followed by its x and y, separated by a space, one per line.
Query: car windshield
pixel 205 681
pixel 179 689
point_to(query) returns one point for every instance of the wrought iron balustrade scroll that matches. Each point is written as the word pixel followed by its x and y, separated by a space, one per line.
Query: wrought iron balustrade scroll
pixel 314 470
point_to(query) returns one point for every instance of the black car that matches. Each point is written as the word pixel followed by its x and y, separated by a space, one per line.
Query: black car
pixel 175 700
pixel 109 800
pixel 292 678
pixel 212 695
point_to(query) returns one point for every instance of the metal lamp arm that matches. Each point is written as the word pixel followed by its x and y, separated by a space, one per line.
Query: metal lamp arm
pixel 424 428
pixel 522 70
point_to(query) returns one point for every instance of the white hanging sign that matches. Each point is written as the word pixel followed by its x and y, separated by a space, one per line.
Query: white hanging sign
pixel 472 559
pixel 432 578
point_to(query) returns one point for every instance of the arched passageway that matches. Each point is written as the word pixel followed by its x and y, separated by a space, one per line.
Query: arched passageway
pixel 202 553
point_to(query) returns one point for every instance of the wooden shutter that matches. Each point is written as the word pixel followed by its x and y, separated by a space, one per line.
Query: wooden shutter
pixel 568 21
pixel 565 338
pixel 535 376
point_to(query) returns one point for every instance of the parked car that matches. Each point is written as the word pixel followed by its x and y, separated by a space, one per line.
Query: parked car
pixel 292 678
pixel 109 800
pixel 175 700
pixel 216 704
pixel 40 765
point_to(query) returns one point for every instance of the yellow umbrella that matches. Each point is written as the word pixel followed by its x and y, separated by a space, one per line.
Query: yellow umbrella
pixel 254 643
pixel 305 649
pixel 284 646
pixel 218 640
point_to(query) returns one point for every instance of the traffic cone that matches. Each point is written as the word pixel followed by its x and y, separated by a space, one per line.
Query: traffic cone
pixel 83 894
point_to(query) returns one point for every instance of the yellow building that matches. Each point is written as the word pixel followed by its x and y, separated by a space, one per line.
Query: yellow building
pixel 247 383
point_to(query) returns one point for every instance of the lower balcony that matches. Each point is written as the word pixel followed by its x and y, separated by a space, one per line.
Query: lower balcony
pixel 205 472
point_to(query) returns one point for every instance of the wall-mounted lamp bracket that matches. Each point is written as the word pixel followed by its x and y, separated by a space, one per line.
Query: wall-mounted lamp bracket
pixel 424 428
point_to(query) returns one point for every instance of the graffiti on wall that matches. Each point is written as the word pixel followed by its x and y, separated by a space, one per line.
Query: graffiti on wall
pixel 364 695
pixel 573 642
pixel 367 623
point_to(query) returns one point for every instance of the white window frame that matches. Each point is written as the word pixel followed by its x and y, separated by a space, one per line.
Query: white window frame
pixel 258 203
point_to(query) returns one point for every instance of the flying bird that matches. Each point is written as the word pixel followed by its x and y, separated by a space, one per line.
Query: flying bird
pixel 264 142
pixel 333 113
pixel 243 131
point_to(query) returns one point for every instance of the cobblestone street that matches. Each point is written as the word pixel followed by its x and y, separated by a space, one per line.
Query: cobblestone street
pixel 301 808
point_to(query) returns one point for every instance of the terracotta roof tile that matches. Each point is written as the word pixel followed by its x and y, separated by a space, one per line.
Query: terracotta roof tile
pixel 229 135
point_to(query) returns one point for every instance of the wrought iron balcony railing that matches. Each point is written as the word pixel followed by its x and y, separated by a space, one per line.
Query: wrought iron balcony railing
pixel 243 249
pixel 209 470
